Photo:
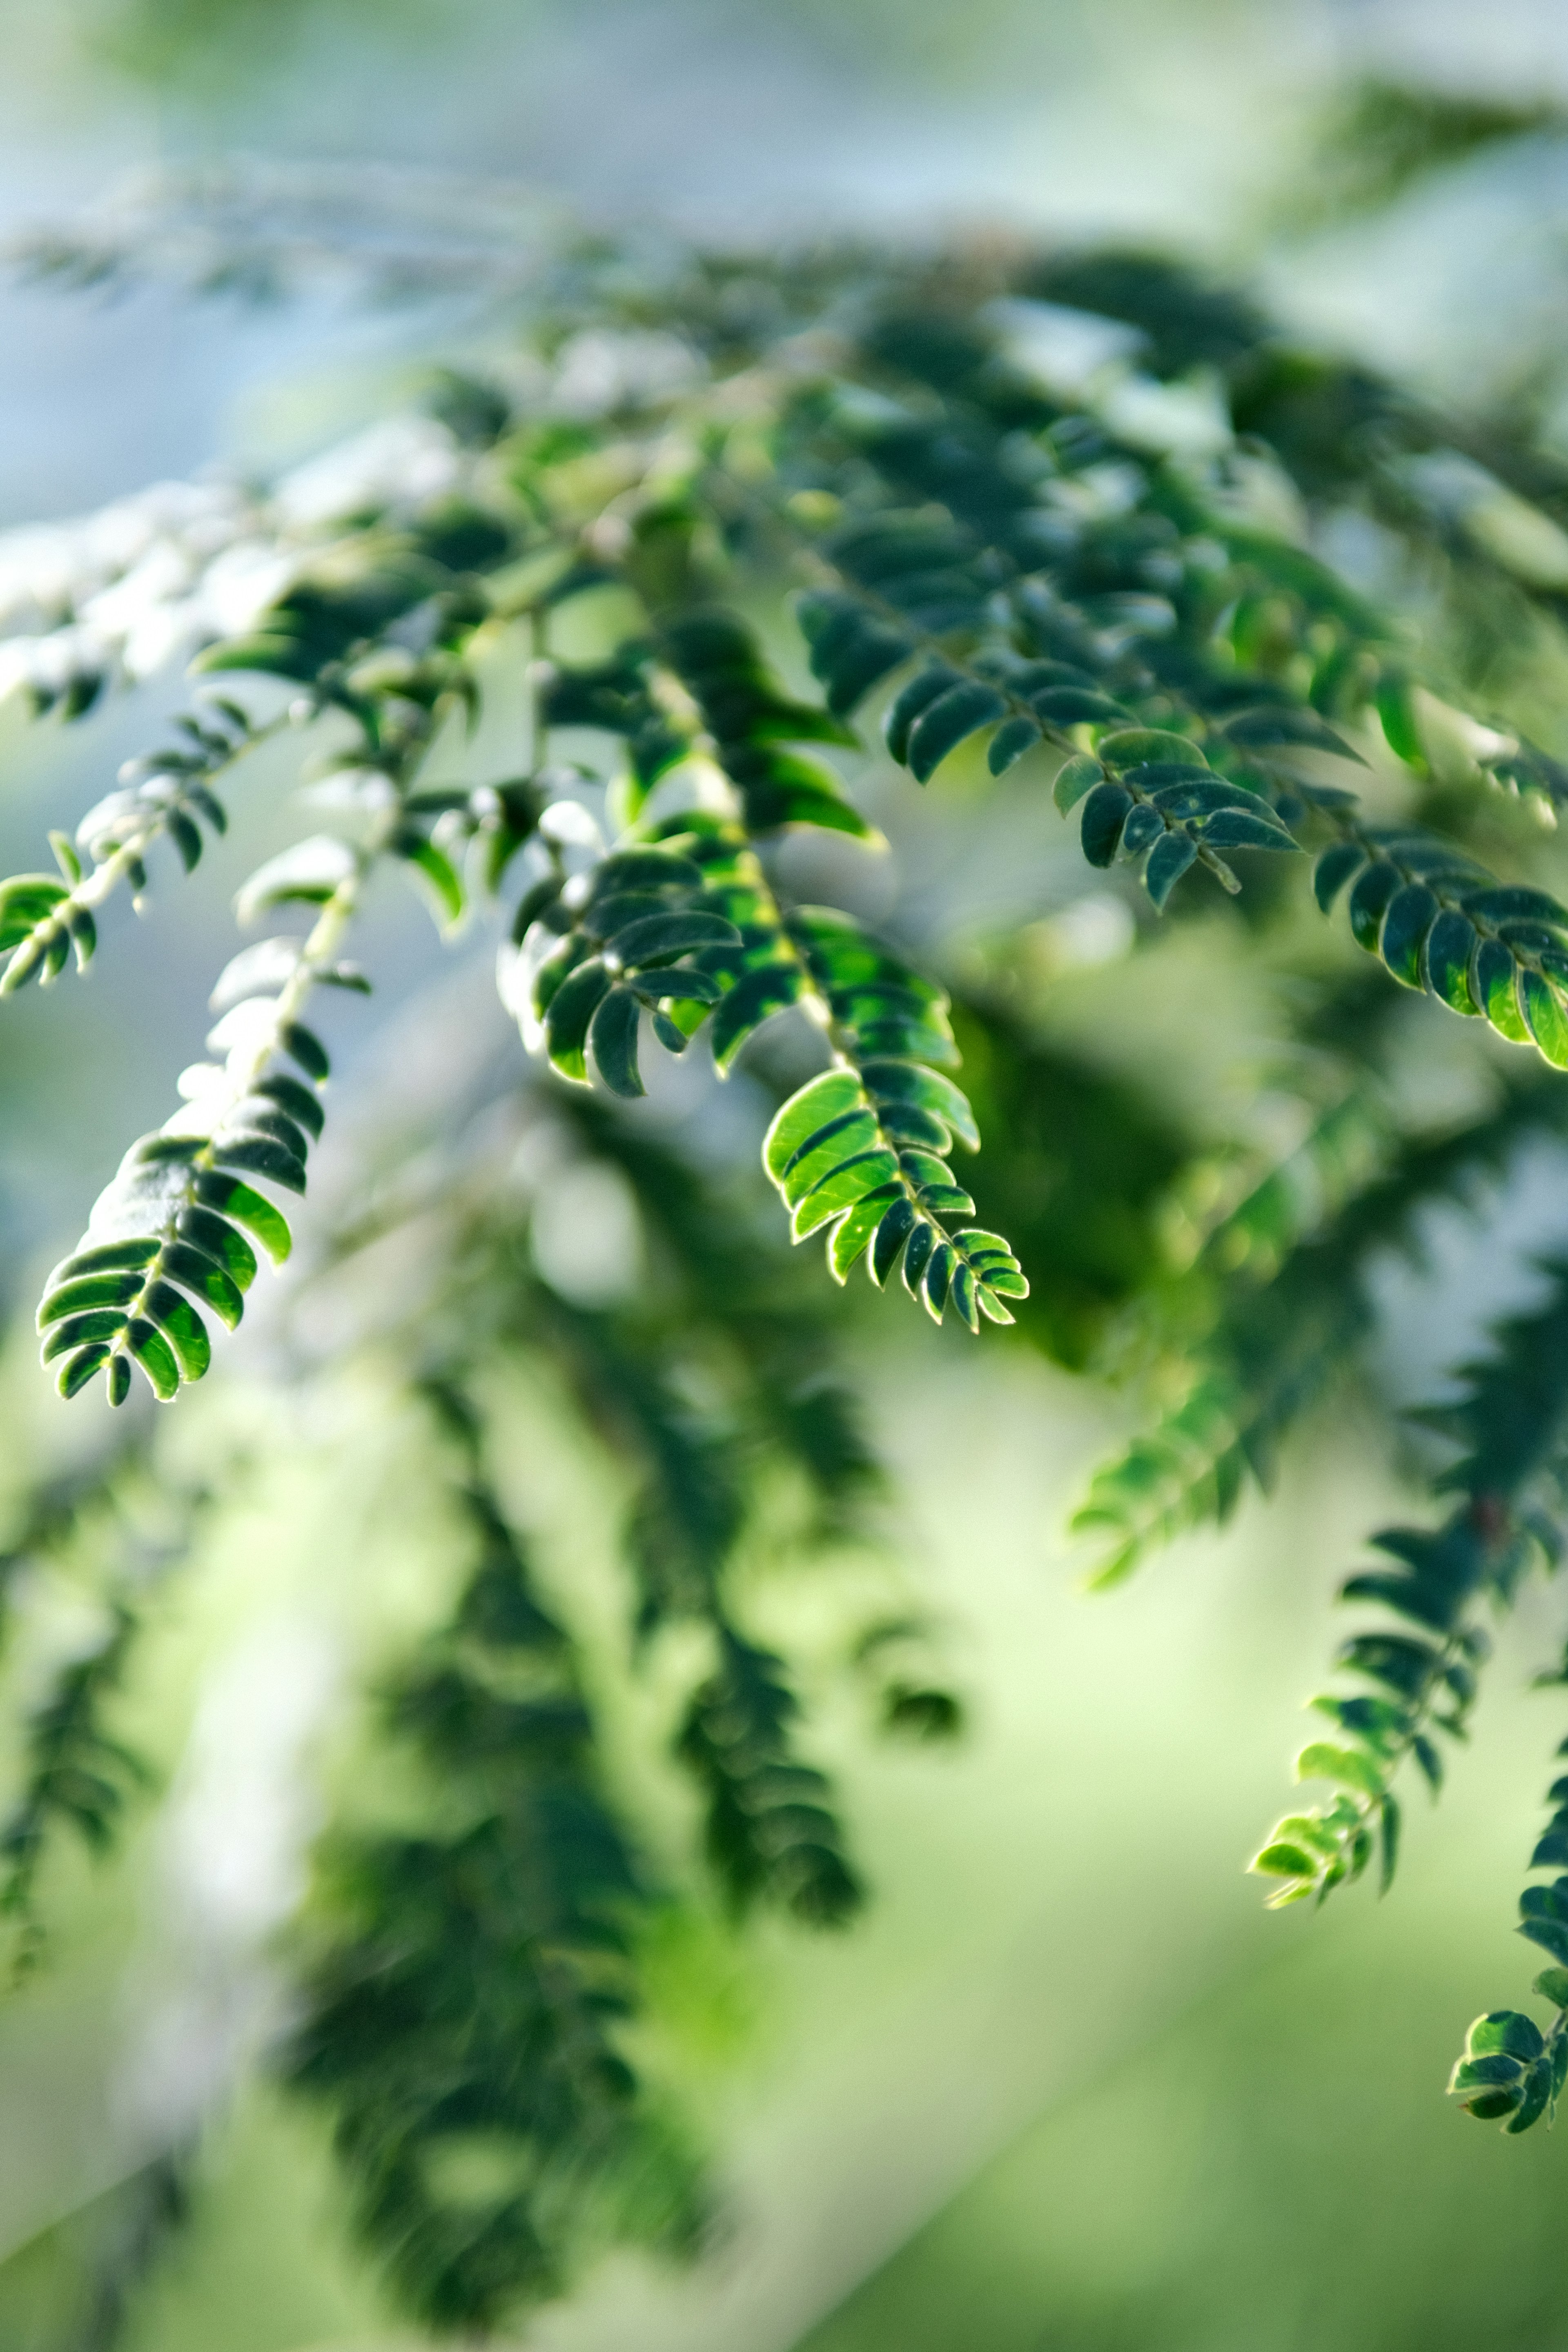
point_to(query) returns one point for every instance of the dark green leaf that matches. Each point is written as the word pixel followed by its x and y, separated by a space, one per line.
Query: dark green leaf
pixel 912 701
pixel 1451 945
pixel 233 1198
pixel 1168 861
pixel 1410 916
pixel 1492 984
pixel 1334 870
pixel 1104 814
pixel 1074 777
pixel 659 938
pixel 955 716
pixel 613 1034
pixel 572 1008
pixel 1369 902
pixel 1542 1009
pixel 1008 745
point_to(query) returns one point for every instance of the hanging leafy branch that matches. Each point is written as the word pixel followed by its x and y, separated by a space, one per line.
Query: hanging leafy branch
pixel 1510 2069
pixel 464 2003
pixel 691 923
pixel 1512 1421
pixel 1293 1315
pixel 1197 727
pixel 77 1773
pixel 771 1831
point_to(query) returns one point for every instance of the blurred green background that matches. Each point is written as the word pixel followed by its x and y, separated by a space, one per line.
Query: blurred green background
pixel 1065 2087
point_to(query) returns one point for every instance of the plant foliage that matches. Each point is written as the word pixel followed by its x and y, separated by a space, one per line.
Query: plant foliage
pixel 758 552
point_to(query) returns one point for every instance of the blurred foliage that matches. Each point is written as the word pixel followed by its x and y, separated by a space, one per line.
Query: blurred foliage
pixel 1381 139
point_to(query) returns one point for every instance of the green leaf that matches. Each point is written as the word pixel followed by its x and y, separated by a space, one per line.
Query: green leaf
pixel 1492 984
pixel 912 701
pixel 186 838
pixel 1532 2106
pixel 232 1199
pixel 106 1289
pixel 1073 706
pixel 613 1034
pixel 1130 747
pixel 1010 743
pixel 105 1256
pixel 1334 870
pixel 1074 777
pixel 97 1323
pixel 1411 914
pixel 741 1010
pixel 1396 712
pixel 306 1049
pixel 1143 827
pixel 1486 2074
pixel 659 938
pixel 1168 861
pixel 1451 945
pixel 258 1155
pixel 1506 902
pixel 950 721
pixel 912 1082
pixel 1196 792
pixel 893 1233
pixel 1280 1859
pixel 443 884
pixel 850 1236
pixel 1542 1009
pixel 157 1359
pixel 217 1239
pixel 1104 814
pixel 631 870
pixel 1504 2032
pixel 572 1008
pixel 916 1256
pixel 181 1326
pixel 963 1296
pixel 299 1101
pixel 1240 829
pixel 77 1370
pixel 819 1100
pixel 849 1182
pixel 938 1279
pixel 280 654
pixel 850 650
pixel 198 1272
pixel 826 1148
pixel 1321 1761
pixel 1369 901
pixel 1551 1933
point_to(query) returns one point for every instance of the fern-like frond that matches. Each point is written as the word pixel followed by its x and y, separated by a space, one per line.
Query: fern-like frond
pixel 1511 2071
pixel 178 1224
pixel 679 920
pixel 1513 1423
pixel 1182 731
pixel 78 1776
pixel 771 1830
pixel 463 2009
pixel 1293 1315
